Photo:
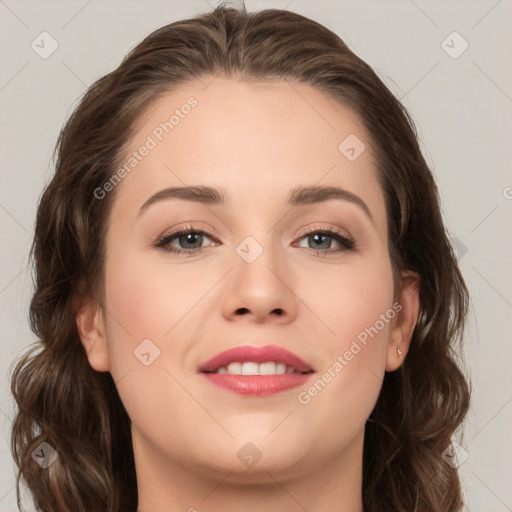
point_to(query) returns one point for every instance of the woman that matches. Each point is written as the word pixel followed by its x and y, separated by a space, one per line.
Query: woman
pixel 301 353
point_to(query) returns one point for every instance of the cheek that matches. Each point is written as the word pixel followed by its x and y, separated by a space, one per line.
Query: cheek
pixel 148 297
pixel 139 309
pixel 144 303
pixel 351 300
pixel 341 397
pixel 356 308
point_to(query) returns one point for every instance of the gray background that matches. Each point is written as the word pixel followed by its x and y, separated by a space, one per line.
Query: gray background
pixel 462 107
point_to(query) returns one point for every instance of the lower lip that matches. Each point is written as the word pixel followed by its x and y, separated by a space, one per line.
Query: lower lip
pixel 258 385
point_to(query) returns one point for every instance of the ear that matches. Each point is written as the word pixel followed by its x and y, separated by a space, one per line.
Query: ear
pixel 91 329
pixel 400 335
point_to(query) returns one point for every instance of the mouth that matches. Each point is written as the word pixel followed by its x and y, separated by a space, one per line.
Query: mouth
pixel 257 371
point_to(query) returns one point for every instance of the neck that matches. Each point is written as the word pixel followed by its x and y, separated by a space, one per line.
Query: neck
pixel 164 486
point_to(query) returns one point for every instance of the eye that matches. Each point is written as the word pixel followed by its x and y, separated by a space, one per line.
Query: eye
pixel 189 237
pixel 321 238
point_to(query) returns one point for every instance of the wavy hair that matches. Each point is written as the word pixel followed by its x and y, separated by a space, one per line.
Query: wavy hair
pixel 61 400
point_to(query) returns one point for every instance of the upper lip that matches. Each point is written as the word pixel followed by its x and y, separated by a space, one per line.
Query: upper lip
pixel 256 354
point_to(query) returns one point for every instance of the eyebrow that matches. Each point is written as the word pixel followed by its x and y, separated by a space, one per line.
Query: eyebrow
pixel 298 196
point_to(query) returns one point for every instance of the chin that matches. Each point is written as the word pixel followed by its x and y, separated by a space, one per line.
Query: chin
pixel 252 461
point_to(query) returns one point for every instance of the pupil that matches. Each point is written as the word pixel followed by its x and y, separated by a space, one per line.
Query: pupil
pixel 316 236
pixel 186 237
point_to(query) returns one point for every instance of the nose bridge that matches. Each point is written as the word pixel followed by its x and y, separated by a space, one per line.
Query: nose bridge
pixel 257 254
pixel 253 235
pixel 259 279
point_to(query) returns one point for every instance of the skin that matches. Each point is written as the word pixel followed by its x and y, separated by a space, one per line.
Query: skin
pixel 258 142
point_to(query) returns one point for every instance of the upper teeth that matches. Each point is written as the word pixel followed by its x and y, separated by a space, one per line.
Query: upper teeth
pixel 269 368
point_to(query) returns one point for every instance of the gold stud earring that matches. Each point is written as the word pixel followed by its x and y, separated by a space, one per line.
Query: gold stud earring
pixel 399 352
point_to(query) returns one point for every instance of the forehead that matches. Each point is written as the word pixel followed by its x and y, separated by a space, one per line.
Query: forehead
pixel 255 140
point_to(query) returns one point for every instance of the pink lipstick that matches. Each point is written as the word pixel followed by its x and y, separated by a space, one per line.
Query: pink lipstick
pixel 257 371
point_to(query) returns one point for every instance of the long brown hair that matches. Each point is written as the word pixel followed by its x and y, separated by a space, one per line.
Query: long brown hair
pixel 61 400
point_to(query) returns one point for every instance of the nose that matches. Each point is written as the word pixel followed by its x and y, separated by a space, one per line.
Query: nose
pixel 260 291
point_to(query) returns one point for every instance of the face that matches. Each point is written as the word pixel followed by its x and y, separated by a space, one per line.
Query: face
pixel 310 276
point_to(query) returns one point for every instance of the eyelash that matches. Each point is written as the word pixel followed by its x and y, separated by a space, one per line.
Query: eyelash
pixel 163 243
